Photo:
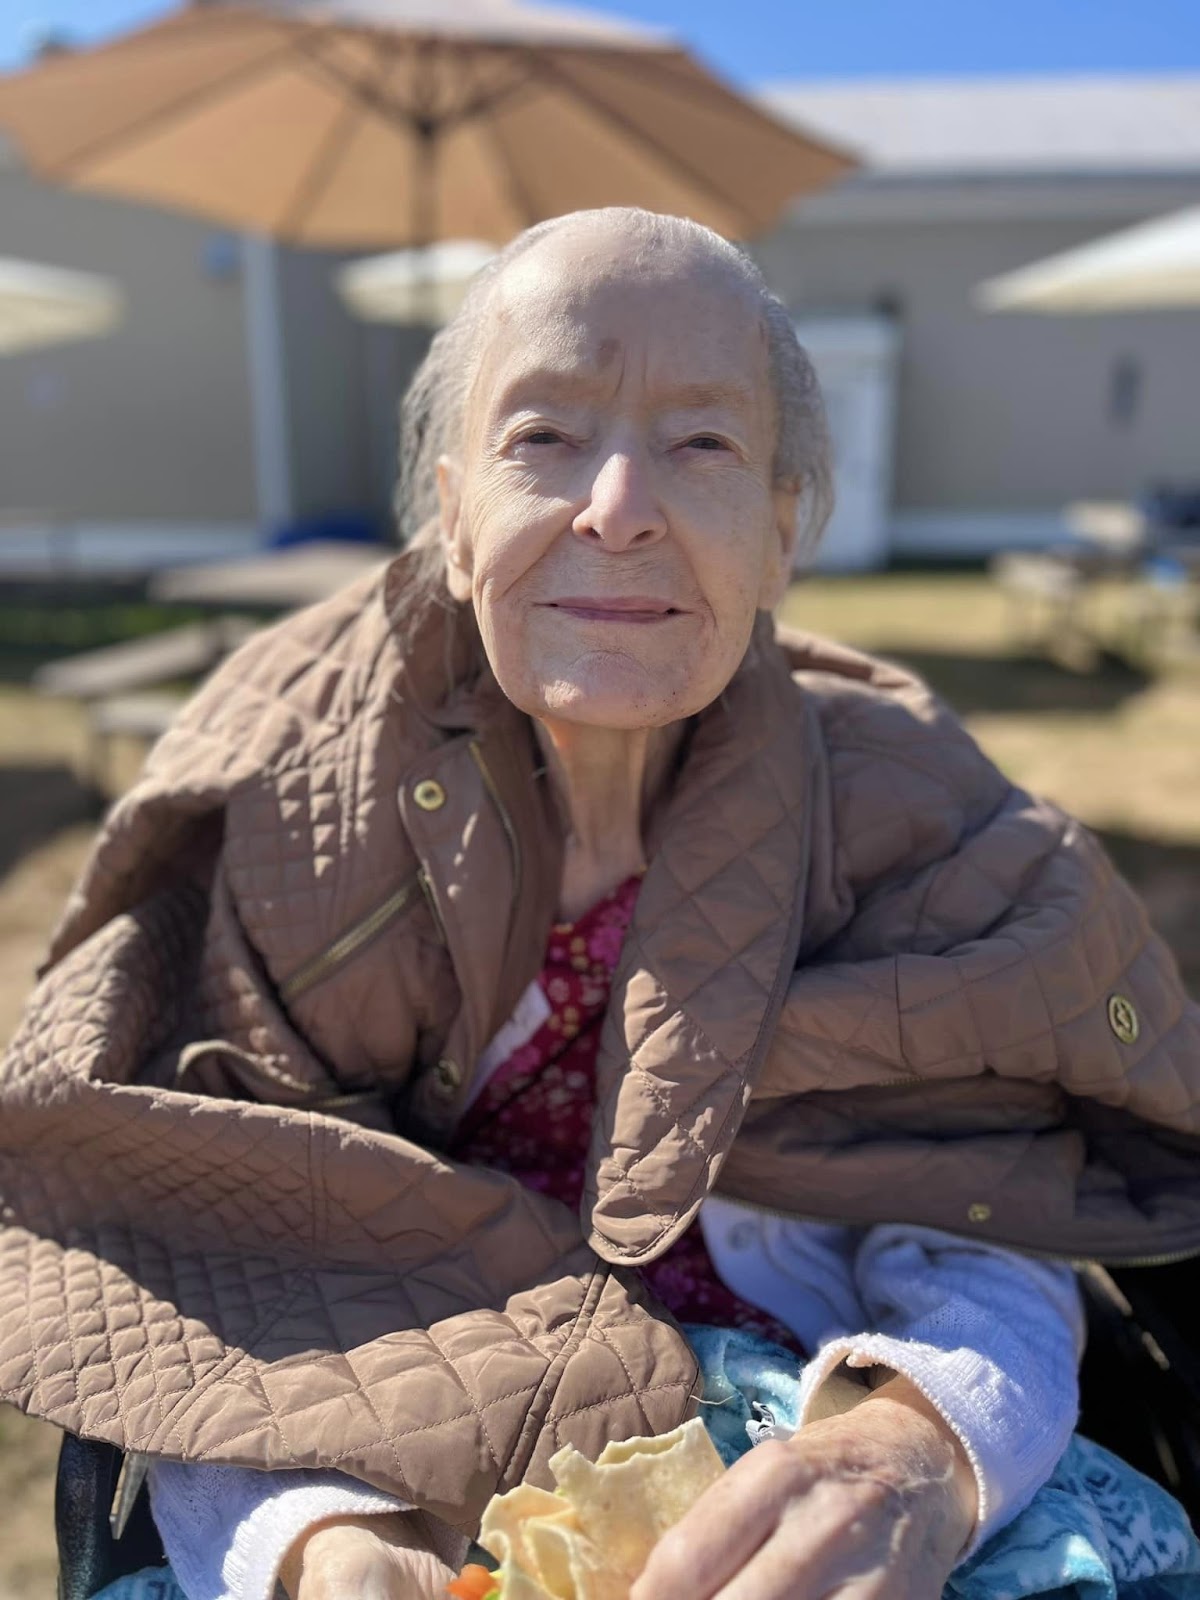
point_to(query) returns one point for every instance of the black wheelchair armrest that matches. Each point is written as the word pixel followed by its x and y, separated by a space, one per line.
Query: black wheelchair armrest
pixel 90 1554
pixel 1140 1379
pixel 1163 1302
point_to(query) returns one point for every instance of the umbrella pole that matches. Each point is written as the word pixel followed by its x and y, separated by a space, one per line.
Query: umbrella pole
pixel 424 201
pixel 265 358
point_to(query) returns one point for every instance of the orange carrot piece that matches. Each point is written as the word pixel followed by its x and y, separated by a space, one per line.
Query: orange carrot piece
pixel 473 1583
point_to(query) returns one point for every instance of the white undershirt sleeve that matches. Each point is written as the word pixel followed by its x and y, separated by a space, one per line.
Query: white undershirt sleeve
pixel 990 1337
pixel 226 1530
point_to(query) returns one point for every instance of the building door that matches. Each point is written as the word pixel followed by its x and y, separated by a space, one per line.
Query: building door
pixel 856 359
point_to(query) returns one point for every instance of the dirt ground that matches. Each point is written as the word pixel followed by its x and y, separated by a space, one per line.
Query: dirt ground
pixel 1116 746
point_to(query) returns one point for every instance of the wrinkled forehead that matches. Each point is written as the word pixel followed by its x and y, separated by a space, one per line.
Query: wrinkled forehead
pixel 577 311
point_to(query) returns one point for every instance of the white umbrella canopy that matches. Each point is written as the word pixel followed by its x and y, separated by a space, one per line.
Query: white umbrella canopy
pixel 1153 267
pixel 413 286
pixel 50 305
pixel 364 124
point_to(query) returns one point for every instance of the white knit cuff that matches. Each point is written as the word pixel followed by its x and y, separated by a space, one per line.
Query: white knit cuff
pixel 268 1533
pixel 1012 1450
pixel 226 1530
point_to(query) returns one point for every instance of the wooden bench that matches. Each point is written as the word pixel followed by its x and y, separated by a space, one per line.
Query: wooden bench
pixel 121 686
pixel 179 654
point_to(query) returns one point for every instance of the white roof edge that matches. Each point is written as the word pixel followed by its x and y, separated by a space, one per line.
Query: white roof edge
pixel 1052 123
pixel 1014 81
pixel 1108 199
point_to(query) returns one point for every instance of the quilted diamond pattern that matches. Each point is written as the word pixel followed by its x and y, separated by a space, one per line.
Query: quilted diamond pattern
pixel 865 979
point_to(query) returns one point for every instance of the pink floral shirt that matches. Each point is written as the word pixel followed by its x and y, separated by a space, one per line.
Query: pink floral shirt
pixel 533 1117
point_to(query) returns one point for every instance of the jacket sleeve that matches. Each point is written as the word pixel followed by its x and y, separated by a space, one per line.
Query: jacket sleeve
pixel 986 931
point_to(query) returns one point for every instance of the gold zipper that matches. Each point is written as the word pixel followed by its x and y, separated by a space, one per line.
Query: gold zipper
pixel 349 943
pixel 506 823
pixel 1165 1260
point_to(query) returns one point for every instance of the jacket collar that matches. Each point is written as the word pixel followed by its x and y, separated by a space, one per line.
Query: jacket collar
pixel 716 930
pixel 706 963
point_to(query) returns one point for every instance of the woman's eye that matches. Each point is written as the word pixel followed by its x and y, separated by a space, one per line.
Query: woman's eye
pixel 706 441
pixel 542 436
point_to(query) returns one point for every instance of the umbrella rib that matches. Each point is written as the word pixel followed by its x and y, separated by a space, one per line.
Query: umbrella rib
pixel 546 67
pixel 165 115
pixel 518 193
pixel 489 97
pixel 320 173
pixel 393 110
pixel 407 115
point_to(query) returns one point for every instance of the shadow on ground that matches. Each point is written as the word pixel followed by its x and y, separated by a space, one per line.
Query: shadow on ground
pixel 975 683
pixel 36 802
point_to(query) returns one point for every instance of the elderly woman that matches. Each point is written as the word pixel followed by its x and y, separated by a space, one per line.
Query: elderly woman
pixel 527 987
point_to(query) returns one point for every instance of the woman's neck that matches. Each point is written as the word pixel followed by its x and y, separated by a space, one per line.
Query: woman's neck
pixel 607 782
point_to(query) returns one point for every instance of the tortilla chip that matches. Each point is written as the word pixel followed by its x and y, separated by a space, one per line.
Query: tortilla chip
pixel 504 1531
pixel 591 1539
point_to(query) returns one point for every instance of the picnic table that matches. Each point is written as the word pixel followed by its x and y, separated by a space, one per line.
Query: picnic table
pixel 1111 541
pixel 279 580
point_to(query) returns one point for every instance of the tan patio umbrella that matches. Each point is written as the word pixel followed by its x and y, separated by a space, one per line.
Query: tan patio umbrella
pixel 358 124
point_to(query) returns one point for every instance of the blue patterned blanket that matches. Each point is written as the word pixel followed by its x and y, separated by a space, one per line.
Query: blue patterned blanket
pixel 1097 1530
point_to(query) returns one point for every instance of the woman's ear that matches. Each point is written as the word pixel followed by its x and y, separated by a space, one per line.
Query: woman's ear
pixel 456 547
pixel 777 569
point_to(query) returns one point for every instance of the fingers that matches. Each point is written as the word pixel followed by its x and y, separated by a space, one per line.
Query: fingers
pixel 349 1563
pixel 352 1561
pixel 725 1527
pixel 779 1526
pixel 421 1576
pixel 822 1547
pixel 849 1540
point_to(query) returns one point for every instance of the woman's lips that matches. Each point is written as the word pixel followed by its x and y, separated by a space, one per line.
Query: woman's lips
pixel 616 608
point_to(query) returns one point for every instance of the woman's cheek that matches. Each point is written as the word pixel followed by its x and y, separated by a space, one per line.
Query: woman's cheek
pixel 512 534
pixel 729 565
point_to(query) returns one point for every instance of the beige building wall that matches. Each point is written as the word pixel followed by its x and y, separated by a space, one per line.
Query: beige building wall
pixel 153 422
pixel 1004 415
pixel 1000 417
pixel 343 380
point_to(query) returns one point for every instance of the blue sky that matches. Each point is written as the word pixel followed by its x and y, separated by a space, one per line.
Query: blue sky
pixel 755 40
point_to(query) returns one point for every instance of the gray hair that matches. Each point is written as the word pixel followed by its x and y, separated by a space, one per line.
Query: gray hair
pixel 431 412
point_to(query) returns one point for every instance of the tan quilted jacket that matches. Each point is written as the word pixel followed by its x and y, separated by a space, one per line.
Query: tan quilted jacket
pixel 866 979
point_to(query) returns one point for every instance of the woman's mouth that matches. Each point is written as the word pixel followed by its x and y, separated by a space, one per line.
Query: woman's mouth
pixel 636 608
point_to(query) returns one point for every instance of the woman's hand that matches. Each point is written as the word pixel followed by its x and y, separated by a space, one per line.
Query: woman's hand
pixel 389 1557
pixel 876 1504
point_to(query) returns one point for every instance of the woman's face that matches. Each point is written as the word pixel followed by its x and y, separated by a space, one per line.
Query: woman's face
pixel 612 516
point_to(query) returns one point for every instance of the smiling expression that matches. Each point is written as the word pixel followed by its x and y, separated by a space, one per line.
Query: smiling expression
pixel 612 516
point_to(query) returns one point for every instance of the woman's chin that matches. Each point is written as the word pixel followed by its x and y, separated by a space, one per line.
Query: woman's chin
pixel 619 699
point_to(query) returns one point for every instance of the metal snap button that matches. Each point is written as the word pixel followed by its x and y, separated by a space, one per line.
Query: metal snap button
pixel 447 1076
pixel 1123 1018
pixel 979 1212
pixel 429 794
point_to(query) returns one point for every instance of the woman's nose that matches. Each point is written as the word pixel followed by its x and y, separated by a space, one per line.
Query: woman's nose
pixel 623 509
